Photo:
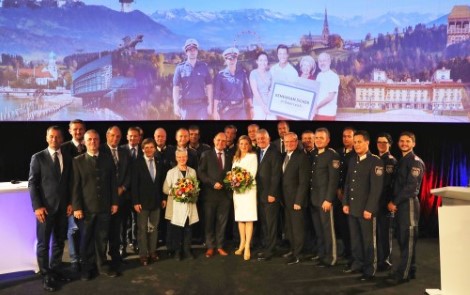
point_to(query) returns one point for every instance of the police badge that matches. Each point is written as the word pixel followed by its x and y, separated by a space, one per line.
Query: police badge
pixel 335 164
pixel 415 172
pixel 389 169
pixel 379 170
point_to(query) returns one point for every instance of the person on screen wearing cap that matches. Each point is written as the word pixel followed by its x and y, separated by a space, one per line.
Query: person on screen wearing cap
pixel 192 86
pixel 232 92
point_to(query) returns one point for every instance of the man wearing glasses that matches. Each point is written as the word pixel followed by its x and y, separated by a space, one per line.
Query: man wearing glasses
pixel 232 92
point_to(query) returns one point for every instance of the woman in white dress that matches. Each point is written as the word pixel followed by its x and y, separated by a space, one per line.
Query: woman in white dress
pixel 245 203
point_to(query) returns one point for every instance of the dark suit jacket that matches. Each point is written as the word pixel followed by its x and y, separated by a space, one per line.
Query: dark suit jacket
pixel 295 180
pixel 69 148
pixel 210 174
pixel 192 157
pixel 123 169
pixel 268 177
pixel 145 191
pixel 125 147
pixel 47 188
pixel 94 188
pixel 324 176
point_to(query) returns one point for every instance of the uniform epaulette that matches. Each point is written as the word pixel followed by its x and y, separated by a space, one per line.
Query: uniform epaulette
pixel 391 157
pixel 330 149
pixel 374 155
pixel 418 159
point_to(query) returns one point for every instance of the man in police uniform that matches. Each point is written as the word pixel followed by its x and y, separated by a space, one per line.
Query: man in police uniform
pixel 192 86
pixel 362 189
pixel 232 91
pixel 409 174
pixel 384 217
pixel 323 184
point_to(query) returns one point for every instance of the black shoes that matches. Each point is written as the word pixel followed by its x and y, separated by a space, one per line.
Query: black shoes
pixel 293 260
pixel 264 256
pixel 75 267
pixel 56 276
pixel 48 284
pixel 350 270
pixel 288 255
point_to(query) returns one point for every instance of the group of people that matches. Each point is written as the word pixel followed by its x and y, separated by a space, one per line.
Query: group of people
pixel 234 95
pixel 105 196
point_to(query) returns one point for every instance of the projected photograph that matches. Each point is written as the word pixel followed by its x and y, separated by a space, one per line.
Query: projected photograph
pixel 100 60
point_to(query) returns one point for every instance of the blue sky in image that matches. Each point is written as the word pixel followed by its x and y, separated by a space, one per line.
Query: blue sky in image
pixel 342 8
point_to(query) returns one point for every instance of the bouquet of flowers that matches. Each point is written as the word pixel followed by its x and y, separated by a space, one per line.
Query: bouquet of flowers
pixel 239 180
pixel 185 190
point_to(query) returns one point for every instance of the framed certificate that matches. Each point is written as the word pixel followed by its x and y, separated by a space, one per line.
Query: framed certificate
pixel 294 100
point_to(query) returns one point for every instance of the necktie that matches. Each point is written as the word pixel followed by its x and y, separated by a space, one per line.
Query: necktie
pixel 115 156
pixel 80 148
pixel 283 149
pixel 219 161
pixel 133 153
pixel 286 160
pixel 151 169
pixel 261 154
pixel 56 163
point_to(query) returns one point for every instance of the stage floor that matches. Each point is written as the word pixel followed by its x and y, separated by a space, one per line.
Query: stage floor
pixel 233 275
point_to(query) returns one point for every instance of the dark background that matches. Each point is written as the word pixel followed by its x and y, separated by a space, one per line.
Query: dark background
pixel 22 139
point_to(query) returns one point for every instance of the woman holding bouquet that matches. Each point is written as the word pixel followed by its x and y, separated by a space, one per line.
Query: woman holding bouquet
pixel 182 188
pixel 244 196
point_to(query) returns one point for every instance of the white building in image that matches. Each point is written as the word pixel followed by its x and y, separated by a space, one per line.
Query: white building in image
pixel 384 94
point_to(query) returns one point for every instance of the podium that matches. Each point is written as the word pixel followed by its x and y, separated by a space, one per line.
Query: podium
pixel 454 240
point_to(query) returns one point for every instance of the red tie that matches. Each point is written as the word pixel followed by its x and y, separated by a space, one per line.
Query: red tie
pixel 219 160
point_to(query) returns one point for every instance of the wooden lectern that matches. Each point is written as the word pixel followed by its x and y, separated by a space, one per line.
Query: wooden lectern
pixel 454 240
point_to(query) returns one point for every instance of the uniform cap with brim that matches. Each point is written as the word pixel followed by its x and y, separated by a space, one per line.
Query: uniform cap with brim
pixel 232 52
pixel 190 43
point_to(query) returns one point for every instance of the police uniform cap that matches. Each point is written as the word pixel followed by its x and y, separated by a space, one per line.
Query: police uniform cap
pixel 190 43
pixel 232 51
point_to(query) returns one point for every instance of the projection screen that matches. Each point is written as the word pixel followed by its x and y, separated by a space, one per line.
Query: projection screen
pixel 390 61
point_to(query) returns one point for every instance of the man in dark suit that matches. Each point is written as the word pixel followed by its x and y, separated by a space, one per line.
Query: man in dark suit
pixel 147 198
pixel 295 181
pixel 49 179
pixel 121 159
pixel 94 199
pixel 268 180
pixel 126 209
pixel 213 167
pixel 73 148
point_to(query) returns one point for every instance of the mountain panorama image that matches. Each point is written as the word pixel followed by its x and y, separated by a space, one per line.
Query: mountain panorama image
pixel 406 61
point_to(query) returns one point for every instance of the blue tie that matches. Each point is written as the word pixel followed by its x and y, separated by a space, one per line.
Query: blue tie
pixel 261 154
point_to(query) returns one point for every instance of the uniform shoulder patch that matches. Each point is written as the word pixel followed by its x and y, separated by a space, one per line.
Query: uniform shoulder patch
pixel 379 171
pixel 415 171
pixel 389 169
pixel 335 163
